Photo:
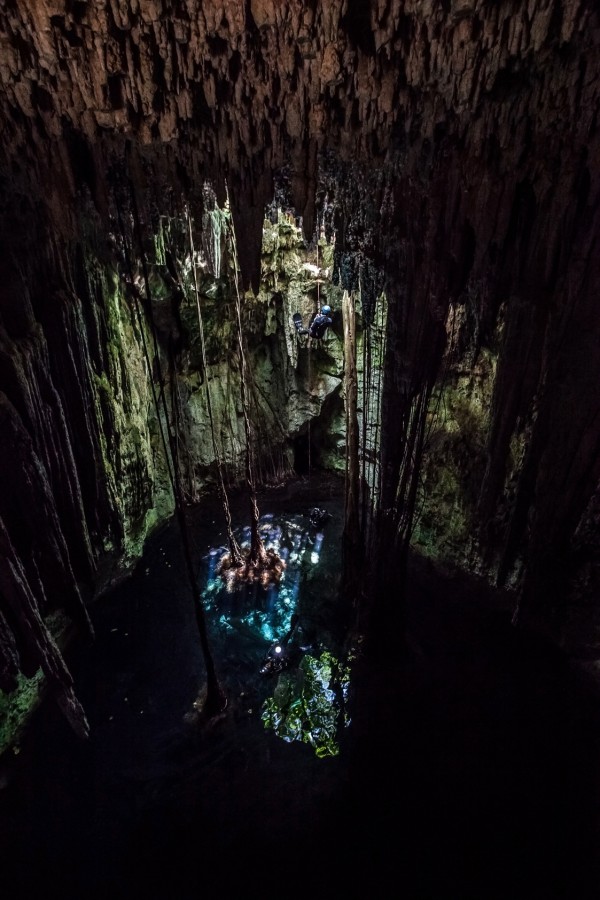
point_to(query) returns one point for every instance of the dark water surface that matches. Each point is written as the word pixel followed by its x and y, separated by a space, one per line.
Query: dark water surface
pixel 468 763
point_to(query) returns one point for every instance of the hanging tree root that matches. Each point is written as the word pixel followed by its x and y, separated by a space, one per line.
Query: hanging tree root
pixel 264 568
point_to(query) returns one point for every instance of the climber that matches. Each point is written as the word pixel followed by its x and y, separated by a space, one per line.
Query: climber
pixel 318 325
pixel 276 660
pixel 283 653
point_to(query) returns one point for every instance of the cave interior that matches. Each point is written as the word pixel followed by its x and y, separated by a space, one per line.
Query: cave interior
pixel 178 179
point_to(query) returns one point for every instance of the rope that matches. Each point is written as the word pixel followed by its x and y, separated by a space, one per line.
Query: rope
pixel 257 551
pixel 308 431
pixel 233 545
pixel 215 699
pixel 145 348
pixel 310 369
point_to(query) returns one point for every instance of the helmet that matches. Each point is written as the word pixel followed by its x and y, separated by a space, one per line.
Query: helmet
pixel 326 310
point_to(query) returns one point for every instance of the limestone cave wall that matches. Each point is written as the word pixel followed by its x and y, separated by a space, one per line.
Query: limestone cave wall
pixel 87 351
pixel 449 148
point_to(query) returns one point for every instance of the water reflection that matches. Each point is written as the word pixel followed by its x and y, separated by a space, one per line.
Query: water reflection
pixel 308 701
pixel 266 610
pixel 309 704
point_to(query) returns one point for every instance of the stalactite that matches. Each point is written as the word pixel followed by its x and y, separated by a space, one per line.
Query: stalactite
pixel 214 224
pixel 35 637
pixel 27 499
pixel 565 436
pixel 415 342
pixel 10 664
pixel 516 380
pixel 247 202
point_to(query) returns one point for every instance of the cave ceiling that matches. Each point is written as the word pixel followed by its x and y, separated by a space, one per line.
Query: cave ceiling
pixel 469 97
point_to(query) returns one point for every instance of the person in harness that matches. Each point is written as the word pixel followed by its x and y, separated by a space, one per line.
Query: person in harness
pixel 318 326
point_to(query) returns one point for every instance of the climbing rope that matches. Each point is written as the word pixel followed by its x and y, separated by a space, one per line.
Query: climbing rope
pixel 257 551
pixel 140 320
pixel 215 699
pixel 310 370
pixel 236 555
pixel 308 429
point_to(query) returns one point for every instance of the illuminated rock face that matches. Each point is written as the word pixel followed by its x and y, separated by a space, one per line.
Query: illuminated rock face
pixel 451 147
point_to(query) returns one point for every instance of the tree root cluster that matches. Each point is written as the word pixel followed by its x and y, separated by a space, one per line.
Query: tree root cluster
pixel 264 570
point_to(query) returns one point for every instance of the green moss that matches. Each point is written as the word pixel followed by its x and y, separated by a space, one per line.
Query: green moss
pixel 160 257
pixel 454 464
pixel 326 253
pixel 132 462
pixel 16 708
pixel 307 705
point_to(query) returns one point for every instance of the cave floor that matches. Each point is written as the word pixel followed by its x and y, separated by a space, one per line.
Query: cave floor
pixel 470 767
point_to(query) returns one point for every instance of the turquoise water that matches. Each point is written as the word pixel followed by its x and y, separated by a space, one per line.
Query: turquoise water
pixel 309 681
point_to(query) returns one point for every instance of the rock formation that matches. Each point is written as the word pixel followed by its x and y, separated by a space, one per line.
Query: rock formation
pixel 450 147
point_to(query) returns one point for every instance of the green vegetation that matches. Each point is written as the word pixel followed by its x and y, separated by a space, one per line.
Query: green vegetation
pixel 15 709
pixel 454 464
pixel 308 704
